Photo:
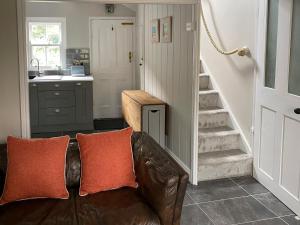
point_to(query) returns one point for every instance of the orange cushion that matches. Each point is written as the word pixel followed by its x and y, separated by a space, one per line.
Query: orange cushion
pixel 36 169
pixel 106 161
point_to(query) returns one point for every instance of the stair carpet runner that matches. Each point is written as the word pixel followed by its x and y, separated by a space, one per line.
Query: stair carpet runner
pixel 219 154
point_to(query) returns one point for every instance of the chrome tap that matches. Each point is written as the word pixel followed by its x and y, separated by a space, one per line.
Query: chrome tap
pixel 38 65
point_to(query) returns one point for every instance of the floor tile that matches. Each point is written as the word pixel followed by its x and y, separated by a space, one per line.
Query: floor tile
pixel 272 203
pixel 187 200
pixel 215 190
pixel 291 220
pixel 275 221
pixel 250 185
pixel 193 215
pixel 238 210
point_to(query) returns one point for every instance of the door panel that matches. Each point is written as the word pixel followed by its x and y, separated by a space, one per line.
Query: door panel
pixel 112 64
pixel 266 159
pixel 107 47
pixel 277 126
pixel 290 157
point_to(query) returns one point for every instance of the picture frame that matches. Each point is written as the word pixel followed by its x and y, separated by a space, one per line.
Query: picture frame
pixel 155 31
pixel 166 29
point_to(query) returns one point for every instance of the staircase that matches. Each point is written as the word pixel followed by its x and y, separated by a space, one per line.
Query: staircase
pixel 220 154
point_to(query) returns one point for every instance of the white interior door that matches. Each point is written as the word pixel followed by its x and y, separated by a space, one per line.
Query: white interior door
pixel 277 123
pixel 112 51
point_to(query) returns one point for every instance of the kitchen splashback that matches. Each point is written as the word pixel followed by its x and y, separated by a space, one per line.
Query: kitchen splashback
pixel 79 56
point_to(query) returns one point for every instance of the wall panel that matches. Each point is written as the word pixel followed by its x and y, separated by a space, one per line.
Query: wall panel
pixel 169 74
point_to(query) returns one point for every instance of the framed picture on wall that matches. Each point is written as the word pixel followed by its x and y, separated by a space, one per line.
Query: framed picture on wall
pixel 155 30
pixel 166 29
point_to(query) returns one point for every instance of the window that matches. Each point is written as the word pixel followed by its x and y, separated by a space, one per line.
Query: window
pixel 46 42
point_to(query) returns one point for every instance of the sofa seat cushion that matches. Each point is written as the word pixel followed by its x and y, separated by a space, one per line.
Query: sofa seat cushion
pixel 123 207
pixel 40 211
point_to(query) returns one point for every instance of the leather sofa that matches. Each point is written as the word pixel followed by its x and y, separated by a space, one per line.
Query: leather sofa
pixel 157 201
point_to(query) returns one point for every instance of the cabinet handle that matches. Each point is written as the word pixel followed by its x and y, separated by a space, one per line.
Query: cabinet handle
pixel 78 84
pixel 33 85
pixel 56 85
pixel 57 110
pixel 56 93
pixel 154 111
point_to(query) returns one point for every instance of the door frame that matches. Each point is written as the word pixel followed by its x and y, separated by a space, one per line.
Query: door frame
pixel 23 82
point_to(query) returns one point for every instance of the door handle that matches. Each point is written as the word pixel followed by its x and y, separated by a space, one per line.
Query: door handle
pixel 130 57
pixel 297 111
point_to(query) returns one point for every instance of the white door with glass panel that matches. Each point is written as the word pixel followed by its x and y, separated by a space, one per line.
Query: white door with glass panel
pixel 277 111
pixel 112 64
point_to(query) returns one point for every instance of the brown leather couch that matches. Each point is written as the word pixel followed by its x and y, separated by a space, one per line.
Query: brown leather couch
pixel 158 200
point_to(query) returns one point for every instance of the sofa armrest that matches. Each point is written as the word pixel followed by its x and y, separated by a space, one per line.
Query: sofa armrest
pixel 162 182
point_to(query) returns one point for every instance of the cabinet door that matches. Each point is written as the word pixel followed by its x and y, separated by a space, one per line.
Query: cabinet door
pixel 154 122
pixel 34 105
pixel 84 102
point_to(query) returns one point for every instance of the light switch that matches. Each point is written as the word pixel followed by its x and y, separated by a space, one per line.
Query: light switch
pixel 190 26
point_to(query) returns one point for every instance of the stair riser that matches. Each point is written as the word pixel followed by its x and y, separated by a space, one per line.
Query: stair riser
pixel 203 82
pixel 225 170
pixel 213 120
pixel 219 143
pixel 208 100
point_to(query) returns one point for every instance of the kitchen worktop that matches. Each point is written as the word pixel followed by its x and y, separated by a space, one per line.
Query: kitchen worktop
pixel 58 78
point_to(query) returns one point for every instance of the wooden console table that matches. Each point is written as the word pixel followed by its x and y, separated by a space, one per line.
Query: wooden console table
pixel 144 112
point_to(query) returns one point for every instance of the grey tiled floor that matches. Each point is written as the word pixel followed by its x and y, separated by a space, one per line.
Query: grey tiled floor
pixel 234 201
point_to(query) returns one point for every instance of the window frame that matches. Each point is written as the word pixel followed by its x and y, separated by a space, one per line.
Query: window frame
pixel 49 20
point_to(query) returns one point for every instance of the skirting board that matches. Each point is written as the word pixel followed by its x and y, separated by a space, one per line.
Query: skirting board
pixel 184 167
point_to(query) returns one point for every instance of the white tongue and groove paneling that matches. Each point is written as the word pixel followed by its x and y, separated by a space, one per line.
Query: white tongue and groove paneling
pixel 169 74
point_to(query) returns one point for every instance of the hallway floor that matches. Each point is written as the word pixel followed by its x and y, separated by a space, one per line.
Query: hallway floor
pixel 234 201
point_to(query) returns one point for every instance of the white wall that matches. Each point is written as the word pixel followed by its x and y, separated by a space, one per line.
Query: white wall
pixel 233 23
pixel 9 73
pixel 77 15
pixel 168 75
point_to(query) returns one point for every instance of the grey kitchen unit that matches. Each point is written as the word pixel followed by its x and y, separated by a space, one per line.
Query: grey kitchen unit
pixel 61 106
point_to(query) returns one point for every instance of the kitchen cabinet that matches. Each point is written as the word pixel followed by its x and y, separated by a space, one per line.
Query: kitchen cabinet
pixel 61 106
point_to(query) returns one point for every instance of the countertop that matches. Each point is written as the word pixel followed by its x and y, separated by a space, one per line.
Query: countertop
pixel 60 79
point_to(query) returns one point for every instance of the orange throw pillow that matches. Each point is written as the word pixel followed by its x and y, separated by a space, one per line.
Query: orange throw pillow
pixel 36 169
pixel 106 161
